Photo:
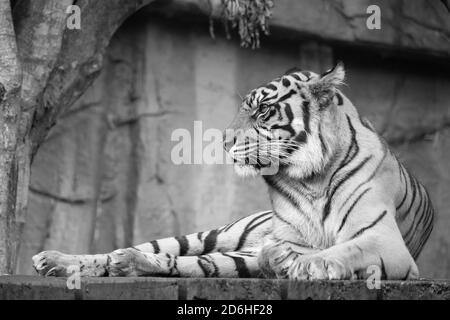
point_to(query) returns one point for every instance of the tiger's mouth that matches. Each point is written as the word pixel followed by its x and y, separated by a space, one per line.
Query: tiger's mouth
pixel 245 169
pixel 251 161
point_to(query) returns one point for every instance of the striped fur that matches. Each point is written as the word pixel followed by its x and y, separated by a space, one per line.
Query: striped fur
pixel 341 201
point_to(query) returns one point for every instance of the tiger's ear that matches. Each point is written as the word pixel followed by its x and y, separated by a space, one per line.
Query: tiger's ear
pixel 323 88
pixel 333 77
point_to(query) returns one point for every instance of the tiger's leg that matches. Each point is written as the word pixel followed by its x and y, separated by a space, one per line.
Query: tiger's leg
pixel 245 232
pixel 132 262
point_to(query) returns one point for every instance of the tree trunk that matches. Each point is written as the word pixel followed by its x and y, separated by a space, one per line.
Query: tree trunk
pixel 38 52
pixel 10 83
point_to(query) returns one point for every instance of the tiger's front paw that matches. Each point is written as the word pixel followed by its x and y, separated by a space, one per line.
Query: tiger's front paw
pixel 131 262
pixel 52 263
pixel 319 268
pixel 57 264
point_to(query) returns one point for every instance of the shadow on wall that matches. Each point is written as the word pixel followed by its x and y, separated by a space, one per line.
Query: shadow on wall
pixel 104 179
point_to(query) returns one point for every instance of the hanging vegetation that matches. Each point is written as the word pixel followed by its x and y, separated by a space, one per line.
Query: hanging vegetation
pixel 249 17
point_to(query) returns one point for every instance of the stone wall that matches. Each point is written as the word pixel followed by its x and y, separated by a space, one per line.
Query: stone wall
pixel 104 179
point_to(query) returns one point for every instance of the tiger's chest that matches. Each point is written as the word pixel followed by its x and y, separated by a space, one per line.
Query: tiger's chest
pixel 299 220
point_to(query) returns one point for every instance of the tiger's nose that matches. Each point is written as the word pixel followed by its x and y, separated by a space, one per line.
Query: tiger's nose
pixel 228 141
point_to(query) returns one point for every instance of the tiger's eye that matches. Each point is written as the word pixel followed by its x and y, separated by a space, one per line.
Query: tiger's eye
pixel 263 109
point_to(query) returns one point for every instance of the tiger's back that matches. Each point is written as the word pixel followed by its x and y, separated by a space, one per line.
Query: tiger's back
pixel 414 210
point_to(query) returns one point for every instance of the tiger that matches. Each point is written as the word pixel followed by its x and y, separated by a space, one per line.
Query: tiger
pixel 341 202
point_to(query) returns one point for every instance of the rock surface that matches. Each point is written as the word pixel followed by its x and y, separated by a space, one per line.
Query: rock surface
pixel 419 25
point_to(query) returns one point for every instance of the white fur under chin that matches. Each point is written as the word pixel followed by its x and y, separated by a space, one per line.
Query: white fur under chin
pixel 246 170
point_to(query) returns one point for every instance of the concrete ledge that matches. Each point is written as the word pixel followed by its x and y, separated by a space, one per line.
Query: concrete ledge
pixel 35 288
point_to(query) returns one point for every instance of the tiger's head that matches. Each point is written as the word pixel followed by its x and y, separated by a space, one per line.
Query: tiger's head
pixel 288 123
